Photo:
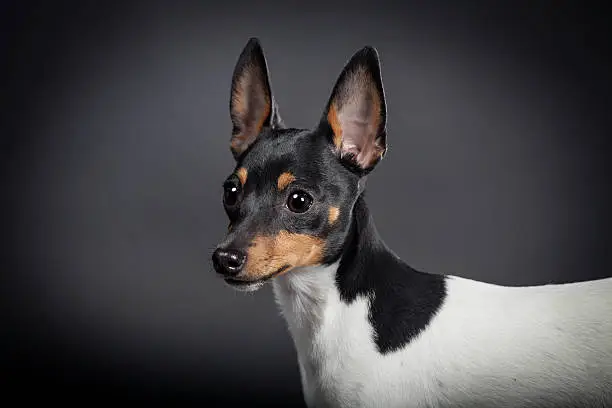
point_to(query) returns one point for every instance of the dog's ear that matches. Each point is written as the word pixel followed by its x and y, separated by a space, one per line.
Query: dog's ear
pixel 355 115
pixel 252 106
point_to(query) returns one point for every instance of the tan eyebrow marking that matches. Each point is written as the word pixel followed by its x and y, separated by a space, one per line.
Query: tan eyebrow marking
pixel 334 212
pixel 284 180
pixel 242 175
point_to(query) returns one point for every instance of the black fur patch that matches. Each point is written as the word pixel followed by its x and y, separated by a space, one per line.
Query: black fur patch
pixel 404 299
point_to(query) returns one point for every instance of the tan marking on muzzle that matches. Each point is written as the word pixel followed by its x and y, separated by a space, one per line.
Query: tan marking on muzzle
pixel 242 174
pixel 334 212
pixel 268 254
pixel 284 180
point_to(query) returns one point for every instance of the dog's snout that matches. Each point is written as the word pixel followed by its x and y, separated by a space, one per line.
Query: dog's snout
pixel 228 262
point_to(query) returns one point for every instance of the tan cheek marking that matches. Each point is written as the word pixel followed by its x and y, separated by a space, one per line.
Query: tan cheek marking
pixel 284 180
pixel 334 122
pixel 242 174
pixel 334 212
pixel 267 254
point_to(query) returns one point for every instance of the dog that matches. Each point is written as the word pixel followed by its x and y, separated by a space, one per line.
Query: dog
pixel 369 330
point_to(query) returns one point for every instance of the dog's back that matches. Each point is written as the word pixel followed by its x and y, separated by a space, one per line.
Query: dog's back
pixel 487 346
pixel 522 346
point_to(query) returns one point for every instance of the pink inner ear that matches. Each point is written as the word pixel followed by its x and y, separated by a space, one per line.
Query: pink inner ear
pixel 251 106
pixel 359 118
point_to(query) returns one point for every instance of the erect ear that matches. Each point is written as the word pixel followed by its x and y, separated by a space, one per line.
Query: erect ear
pixel 252 106
pixel 355 115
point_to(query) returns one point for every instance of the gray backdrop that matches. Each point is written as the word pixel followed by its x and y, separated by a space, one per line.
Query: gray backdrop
pixel 115 144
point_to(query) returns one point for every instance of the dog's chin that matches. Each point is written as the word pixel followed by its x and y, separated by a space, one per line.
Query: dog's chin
pixel 244 286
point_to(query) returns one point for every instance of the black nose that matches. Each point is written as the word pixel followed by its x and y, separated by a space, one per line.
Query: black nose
pixel 228 262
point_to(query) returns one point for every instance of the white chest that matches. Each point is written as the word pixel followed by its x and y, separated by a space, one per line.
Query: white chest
pixel 339 363
pixel 487 346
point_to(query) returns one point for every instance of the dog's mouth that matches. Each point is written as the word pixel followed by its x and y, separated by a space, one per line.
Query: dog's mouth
pixel 254 284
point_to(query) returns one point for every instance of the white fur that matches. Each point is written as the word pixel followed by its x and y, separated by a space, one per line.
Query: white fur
pixel 488 345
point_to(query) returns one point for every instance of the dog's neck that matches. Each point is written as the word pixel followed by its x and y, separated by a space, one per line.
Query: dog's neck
pixel 367 270
pixel 304 293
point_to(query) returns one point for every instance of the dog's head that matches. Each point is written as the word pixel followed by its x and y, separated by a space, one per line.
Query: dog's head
pixel 290 197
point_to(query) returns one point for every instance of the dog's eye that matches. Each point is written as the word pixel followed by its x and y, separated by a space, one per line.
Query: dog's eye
pixel 299 201
pixel 231 192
